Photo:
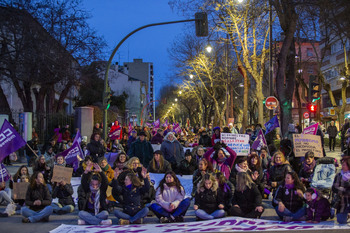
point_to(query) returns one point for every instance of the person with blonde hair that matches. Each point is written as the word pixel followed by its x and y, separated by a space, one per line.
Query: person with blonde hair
pixel 247 198
pixel 278 170
pixel 209 201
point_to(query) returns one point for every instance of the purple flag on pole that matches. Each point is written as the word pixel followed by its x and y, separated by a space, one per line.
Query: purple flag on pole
pixel 312 129
pixel 111 157
pixel 271 124
pixel 10 140
pixel 77 137
pixel 73 155
pixel 156 124
pixel 260 141
pixel 4 173
pixel 177 128
pixel 149 125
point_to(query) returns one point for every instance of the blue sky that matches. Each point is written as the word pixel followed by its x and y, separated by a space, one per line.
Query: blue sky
pixel 114 19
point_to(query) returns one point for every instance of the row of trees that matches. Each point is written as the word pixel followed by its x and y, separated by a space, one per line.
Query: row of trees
pixel 241 32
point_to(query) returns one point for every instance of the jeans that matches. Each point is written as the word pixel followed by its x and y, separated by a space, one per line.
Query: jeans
pixel 65 209
pixel 205 216
pixel 331 143
pixel 179 211
pixel 296 216
pixel 5 197
pixel 141 214
pixel 91 219
pixel 342 218
pixel 35 216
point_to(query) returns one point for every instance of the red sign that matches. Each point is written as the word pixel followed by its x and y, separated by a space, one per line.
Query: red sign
pixel 306 115
pixel 271 102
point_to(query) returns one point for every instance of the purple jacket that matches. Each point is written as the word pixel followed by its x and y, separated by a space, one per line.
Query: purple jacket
pixel 224 167
pixel 157 139
pixel 318 210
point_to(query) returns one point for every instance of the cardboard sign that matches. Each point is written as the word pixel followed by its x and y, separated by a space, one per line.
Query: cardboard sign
pixel 307 142
pixel 61 173
pixel 237 142
pixel 20 190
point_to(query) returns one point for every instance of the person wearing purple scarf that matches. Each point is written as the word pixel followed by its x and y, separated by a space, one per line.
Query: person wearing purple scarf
pixel 307 170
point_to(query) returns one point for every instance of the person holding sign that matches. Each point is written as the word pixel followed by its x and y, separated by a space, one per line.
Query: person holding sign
pixel 92 197
pixel 21 172
pixel 38 200
pixel 41 166
pixel 209 200
pixel 132 192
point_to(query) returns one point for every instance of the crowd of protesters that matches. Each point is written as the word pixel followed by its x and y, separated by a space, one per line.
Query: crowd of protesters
pixel 224 184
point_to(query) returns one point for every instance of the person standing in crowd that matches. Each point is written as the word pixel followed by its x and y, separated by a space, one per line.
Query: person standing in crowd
pixel 38 200
pixel 132 138
pixel 141 149
pixel 188 165
pixel 343 136
pixel 32 151
pixel 171 204
pixel 216 136
pixel 120 161
pixel 95 148
pixel 332 133
pixel 232 129
pixel 205 140
pixel 168 130
pixel 209 201
pixel 49 156
pixel 97 129
pixel 341 190
pixel 172 150
pixel 158 138
pixel 158 164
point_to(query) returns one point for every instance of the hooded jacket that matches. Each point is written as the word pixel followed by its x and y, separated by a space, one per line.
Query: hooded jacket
pixel 209 199
pixel 172 150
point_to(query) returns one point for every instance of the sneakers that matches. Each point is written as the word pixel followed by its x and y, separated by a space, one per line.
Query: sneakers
pixel 163 220
pixel 25 220
pixel 81 222
pixel 106 222
pixel 124 222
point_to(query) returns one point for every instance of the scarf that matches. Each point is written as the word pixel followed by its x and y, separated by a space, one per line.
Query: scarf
pixel 129 187
pixel 308 168
pixel 345 175
pixel 225 187
pixel 289 186
pixel 105 168
pixel 171 184
pixel 239 169
pixel 96 199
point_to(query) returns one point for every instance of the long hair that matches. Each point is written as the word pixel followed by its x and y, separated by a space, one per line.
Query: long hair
pixel 215 156
pixel 18 173
pixel 251 166
pixel 130 162
pixel 221 178
pixel 134 179
pixel 208 164
pixel 243 181
pixel 161 162
pixel 201 185
pixel 32 181
pixel 176 181
pixel 297 183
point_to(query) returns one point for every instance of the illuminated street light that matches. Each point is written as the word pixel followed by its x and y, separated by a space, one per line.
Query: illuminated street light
pixel 209 48
pixel 175 99
pixel 342 78
pixel 223 102
pixel 191 76
pixel 173 104
pixel 180 92
pixel 241 85
pixel 240 1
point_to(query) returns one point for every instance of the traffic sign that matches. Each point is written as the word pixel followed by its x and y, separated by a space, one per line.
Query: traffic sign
pixel 271 102
pixel 306 115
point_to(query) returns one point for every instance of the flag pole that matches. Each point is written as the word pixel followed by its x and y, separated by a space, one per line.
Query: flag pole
pixel 32 150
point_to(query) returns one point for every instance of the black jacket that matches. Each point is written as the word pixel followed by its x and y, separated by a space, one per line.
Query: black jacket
pixel 205 140
pixel 41 193
pixel 131 198
pixel 96 150
pixel 289 197
pixel 332 131
pixel 84 192
pixel 64 194
pixel 153 169
pixel 209 199
pixel 247 200
pixel 187 168
pixel 278 172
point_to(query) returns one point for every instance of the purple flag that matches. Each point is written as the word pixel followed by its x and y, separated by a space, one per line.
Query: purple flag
pixel 166 123
pixel 4 173
pixel 10 140
pixel 156 124
pixel 260 141
pixel 111 157
pixel 115 134
pixel 130 128
pixel 312 129
pixel 73 155
pixel 149 125
pixel 177 128
pixel 271 124
pixel 77 137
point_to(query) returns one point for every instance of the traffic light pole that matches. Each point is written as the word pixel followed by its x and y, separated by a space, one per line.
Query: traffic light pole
pixel 106 86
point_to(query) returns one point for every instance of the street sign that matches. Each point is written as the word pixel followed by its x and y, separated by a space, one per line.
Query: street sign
pixel 271 102
pixel 306 115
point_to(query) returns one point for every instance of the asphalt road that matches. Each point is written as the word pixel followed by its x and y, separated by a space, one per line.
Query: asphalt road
pixel 14 223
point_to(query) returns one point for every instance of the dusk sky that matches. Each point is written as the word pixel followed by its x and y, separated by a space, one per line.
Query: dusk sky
pixel 114 19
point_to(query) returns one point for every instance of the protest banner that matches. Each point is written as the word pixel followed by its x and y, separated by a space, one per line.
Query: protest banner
pixel 73 155
pixel 61 173
pixel 20 190
pixel 156 147
pixel 115 134
pixel 260 141
pixel 312 129
pixel 271 124
pixel 307 142
pixel 237 142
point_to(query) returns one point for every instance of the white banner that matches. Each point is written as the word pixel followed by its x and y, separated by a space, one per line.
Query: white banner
pixel 229 224
pixel 237 142
pixel 185 180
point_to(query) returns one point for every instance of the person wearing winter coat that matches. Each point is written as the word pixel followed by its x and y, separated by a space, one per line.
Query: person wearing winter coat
pixel 158 164
pixel 92 197
pixel 227 189
pixel 278 170
pixel 317 207
pixel 132 138
pixel 120 161
pixel 256 171
pixel 204 167
pixel 289 198
pixel 141 149
pixel 241 166
pixel 341 190
pixel 247 199
pixel 41 166
pixel 172 150
pixel 307 168
pixel 95 149
pixel 209 201
pixel 38 200
pixel 158 138
pixel 188 165
pixel 205 140
pixel 21 173
pixel 109 172
pixel 132 191
pixel 171 204
pixel 332 133
pixel 198 152
pixel 216 136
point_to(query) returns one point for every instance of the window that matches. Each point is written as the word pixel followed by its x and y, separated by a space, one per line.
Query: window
pixel 309 52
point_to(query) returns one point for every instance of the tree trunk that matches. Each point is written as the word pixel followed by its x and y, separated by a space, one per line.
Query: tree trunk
pixel 24 95
pixel 63 95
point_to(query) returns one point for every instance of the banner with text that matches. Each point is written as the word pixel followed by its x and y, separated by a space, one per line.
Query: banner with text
pixel 237 142
pixel 307 142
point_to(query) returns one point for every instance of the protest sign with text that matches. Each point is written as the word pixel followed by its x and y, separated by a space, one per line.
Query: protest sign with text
pixel 237 142
pixel 307 142
pixel 61 173
pixel 20 190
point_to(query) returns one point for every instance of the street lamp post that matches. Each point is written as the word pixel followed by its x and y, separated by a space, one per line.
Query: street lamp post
pixel 270 51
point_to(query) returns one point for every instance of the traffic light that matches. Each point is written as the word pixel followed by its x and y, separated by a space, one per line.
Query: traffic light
pixel 107 98
pixel 201 24
pixel 314 89
pixel 312 107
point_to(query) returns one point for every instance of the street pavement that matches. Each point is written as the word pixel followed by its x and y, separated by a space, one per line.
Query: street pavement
pixel 14 223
